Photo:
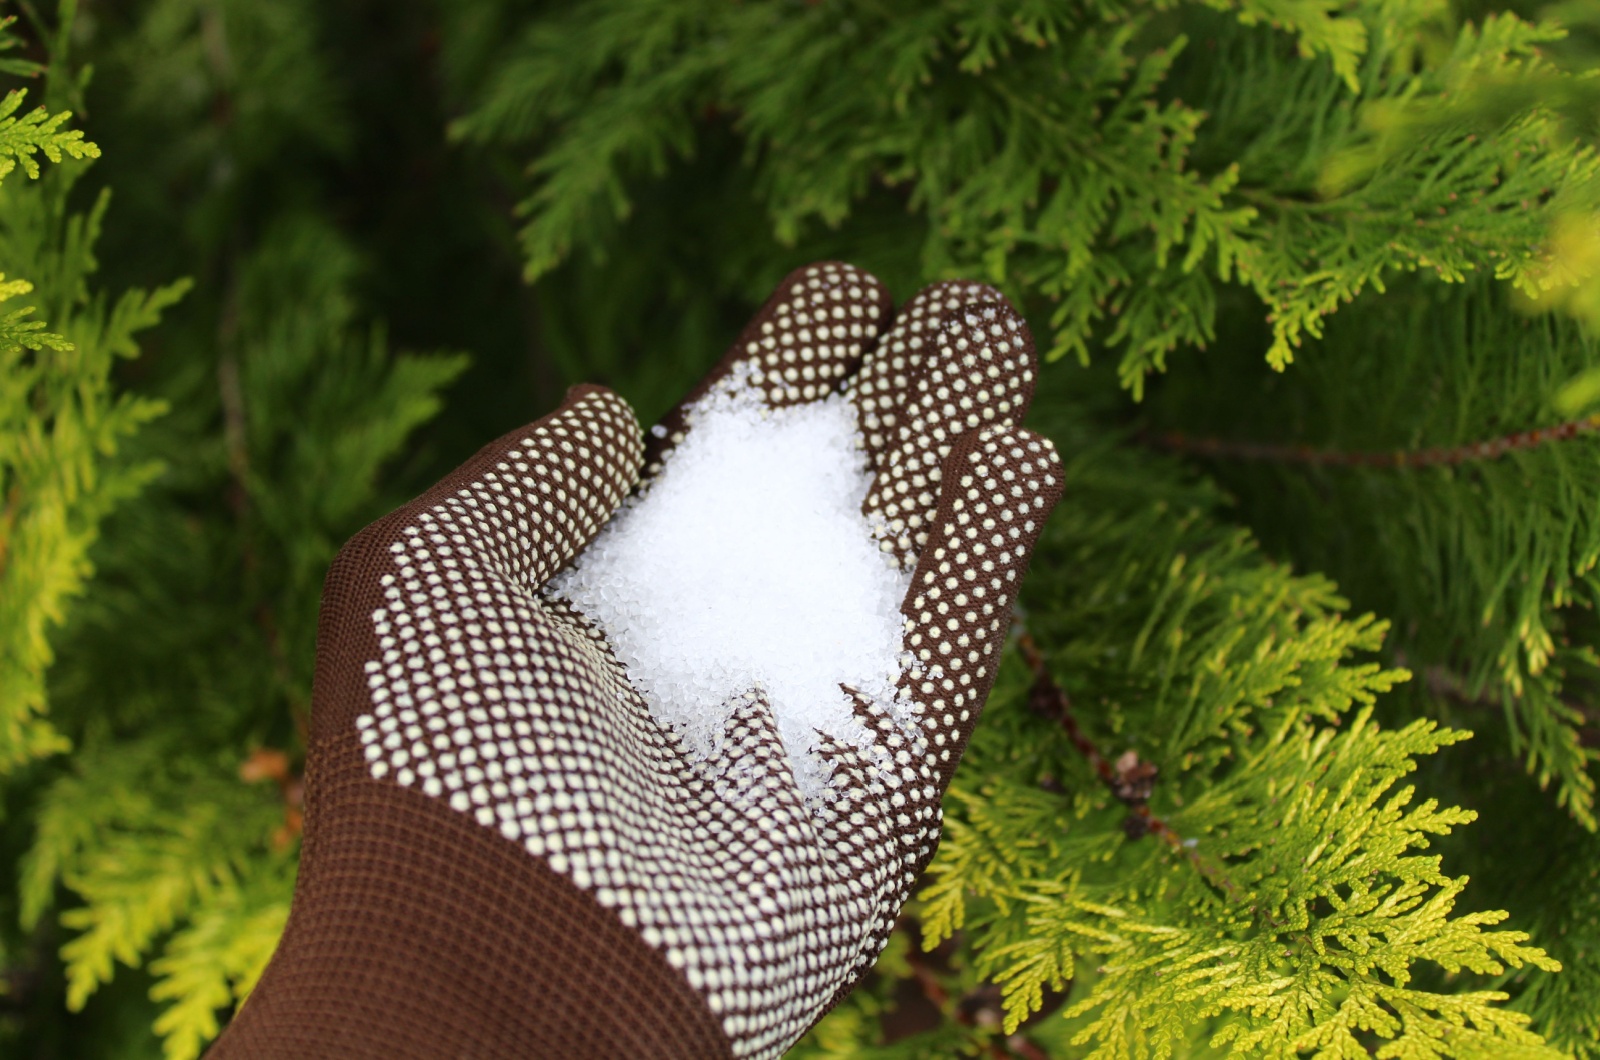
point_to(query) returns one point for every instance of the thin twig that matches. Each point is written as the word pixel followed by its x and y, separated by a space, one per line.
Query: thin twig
pixel 1131 781
pixel 1436 456
pixel 1045 684
pixel 1445 683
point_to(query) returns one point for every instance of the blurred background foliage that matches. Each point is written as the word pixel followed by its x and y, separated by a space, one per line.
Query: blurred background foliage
pixel 1309 276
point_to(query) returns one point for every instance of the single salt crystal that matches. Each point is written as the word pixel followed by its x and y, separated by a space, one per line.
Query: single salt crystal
pixel 748 564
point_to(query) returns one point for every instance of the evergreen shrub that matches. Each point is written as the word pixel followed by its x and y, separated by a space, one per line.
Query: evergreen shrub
pixel 1316 286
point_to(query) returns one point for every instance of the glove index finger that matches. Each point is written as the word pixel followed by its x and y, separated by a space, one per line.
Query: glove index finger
pixel 539 495
pixel 804 342
pixel 999 485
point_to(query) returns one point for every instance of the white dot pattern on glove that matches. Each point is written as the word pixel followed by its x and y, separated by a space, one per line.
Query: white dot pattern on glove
pixel 815 336
pixel 512 709
pixel 884 382
pixel 979 372
pixel 959 607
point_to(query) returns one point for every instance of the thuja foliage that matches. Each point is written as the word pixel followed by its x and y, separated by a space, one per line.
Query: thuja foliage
pixel 58 412
pixel 1295 750
pixel 137 840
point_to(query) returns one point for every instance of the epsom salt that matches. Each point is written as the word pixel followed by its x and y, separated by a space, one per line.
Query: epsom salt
pixel 748 564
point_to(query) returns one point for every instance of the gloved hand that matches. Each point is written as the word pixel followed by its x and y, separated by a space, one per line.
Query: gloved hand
pixel 505 855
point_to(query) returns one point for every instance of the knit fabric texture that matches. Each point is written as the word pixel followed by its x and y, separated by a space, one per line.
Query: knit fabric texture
pixel 506 855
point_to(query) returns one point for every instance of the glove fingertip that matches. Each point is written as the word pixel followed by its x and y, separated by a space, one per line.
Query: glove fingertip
pixel 615 423
pixel 802 345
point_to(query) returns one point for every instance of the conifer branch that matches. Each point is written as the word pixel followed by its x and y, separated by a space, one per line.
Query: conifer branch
pixel 235 433
pixel 1441 509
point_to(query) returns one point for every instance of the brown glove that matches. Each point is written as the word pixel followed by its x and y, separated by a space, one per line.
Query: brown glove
pixel 506 855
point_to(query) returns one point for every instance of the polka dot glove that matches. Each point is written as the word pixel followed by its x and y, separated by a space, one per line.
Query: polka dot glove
pixel 506 856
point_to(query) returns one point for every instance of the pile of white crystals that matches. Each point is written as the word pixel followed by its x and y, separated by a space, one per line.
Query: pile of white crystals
pixel 748 564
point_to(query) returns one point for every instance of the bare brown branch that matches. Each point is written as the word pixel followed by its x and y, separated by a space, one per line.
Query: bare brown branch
pixel 1436 456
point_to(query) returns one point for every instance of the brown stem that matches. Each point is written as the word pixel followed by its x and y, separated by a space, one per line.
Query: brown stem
pixel 1046 692
pixel 1436 456
pixel 1446 685
pixel 1132 782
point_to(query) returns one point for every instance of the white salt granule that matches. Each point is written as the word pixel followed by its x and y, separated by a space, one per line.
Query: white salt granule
pixel 747 563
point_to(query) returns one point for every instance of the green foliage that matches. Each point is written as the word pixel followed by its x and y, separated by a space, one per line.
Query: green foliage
pixel 194 648
pixel 147 848
pixel 36 132
pixel 241 101
pixel 1512 542
pixel 1084 156
pixel 1536 856
pixel 216 960
pixel 1311 982
pixel 307 407
pixel 1293 904
pixel 1370 197
pixel 60 419
pixel 137 881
